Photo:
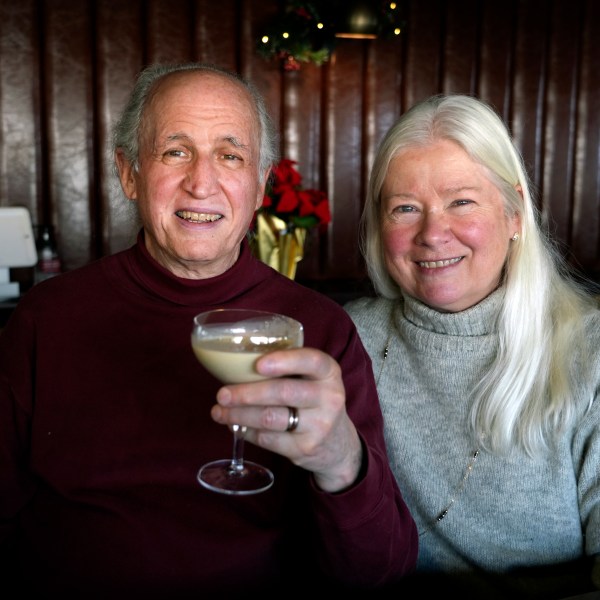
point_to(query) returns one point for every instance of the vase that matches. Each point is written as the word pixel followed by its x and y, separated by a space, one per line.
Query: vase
pixel 279 244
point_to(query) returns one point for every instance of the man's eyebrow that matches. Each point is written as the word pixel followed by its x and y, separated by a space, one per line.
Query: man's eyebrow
pixel 175 137
pixel 234 141
pixel 228 139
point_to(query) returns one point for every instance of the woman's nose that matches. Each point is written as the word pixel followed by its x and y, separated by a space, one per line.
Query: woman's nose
pixel 434 229
pixel 201 178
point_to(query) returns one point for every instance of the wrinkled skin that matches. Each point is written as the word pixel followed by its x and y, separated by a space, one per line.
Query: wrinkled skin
pixel 445 231
pixel 197 187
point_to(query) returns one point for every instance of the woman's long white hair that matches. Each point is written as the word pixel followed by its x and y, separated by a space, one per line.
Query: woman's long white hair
pixel 526 396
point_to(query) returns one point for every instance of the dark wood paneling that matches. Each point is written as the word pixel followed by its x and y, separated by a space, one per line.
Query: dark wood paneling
pixel 497 54
pixel 302 141
pixel 220 29
pixel 20 127
pixel 171 31
pixel 67 67
pixel 344 119
pixel 383 91
pixel 585 245
pixel 460 58
pixel 425 49
pixel 120 52
pixel 560 122
pixel 530 83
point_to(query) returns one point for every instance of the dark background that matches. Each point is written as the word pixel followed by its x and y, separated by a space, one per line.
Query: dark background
pixel 67 66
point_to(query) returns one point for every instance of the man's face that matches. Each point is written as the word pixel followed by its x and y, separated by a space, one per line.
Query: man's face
pixel 197 184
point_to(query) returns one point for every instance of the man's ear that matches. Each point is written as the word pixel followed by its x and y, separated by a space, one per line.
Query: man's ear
pixel 261 189
pixel 126 175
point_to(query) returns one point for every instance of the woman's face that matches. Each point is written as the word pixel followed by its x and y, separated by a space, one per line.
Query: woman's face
pixel 445 233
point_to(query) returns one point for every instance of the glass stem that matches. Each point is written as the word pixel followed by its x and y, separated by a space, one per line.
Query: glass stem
pixel 237 461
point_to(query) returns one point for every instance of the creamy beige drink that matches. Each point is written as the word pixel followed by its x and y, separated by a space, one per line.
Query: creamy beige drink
pixel 228 342
pixel 231 359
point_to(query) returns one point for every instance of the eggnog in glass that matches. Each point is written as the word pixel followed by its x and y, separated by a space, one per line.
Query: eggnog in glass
pixel 227 342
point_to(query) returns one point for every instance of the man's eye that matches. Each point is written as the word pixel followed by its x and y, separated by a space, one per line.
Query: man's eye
pixel 174 153
pixel 231 157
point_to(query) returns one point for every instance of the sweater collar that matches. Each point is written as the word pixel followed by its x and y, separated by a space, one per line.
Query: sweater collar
pixel 155 280
pixel 479 319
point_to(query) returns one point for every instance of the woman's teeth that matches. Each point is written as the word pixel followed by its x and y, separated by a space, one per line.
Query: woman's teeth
pixel 439 263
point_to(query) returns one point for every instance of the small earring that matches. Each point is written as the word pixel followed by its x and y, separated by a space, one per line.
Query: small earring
pixel 515 238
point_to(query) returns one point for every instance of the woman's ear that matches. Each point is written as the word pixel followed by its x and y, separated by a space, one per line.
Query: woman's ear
pixel 519 189
pixel 126 175
pixel 516 218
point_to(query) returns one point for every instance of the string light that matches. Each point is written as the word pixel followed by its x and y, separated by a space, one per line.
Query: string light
pixel 308 31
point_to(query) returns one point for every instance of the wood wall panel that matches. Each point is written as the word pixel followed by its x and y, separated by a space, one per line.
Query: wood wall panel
pixel 220 41
pixel 302 141
pixel 460 56
pixel 530 83
pixel 170 30
pixel 345 130
pixel 585 246
pixel 384 89
pixel 425 50
pixel 496 60
pixel 20 167
pixel 67 96
pixel 120 54
pixel 560 117
pixel 67 67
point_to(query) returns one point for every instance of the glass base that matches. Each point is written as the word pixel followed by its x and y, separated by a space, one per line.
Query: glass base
pixel 219 476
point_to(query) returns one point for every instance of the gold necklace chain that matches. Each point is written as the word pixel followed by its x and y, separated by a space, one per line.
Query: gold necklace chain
pixel 385 355
pixel 463 482
pixel 459 489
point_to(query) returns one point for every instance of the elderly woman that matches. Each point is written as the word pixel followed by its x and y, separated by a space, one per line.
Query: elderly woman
pixel 487 359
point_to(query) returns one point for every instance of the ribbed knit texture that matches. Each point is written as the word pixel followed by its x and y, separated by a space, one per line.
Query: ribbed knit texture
pixel 105 421
pixel 514 512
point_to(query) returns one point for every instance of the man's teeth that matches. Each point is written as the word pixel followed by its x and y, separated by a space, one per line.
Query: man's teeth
pixel 195 217
pixel 439 263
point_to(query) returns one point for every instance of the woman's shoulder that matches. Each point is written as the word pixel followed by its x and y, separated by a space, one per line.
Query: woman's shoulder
pixel 365 304
pixel 591 323
pixel 372 312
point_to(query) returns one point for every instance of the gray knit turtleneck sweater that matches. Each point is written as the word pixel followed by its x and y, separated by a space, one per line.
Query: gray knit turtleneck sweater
pixel 510 520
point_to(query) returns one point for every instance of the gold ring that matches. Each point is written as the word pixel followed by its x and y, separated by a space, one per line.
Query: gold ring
pixel 292 419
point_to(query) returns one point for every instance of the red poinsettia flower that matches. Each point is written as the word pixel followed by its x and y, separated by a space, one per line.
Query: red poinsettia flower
pixel 285 176
pixel 286 199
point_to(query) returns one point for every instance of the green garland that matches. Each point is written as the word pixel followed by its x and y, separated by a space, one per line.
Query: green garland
pixel 305 32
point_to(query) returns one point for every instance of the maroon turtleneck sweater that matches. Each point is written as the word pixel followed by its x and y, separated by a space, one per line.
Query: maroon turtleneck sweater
pixel 104 423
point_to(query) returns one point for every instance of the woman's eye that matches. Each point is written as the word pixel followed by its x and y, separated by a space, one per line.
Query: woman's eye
pixel 404 213
pixel 403 209
pixel 462 206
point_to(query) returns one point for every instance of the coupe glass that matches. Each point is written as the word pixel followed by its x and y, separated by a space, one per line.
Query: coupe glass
pixel 228 342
